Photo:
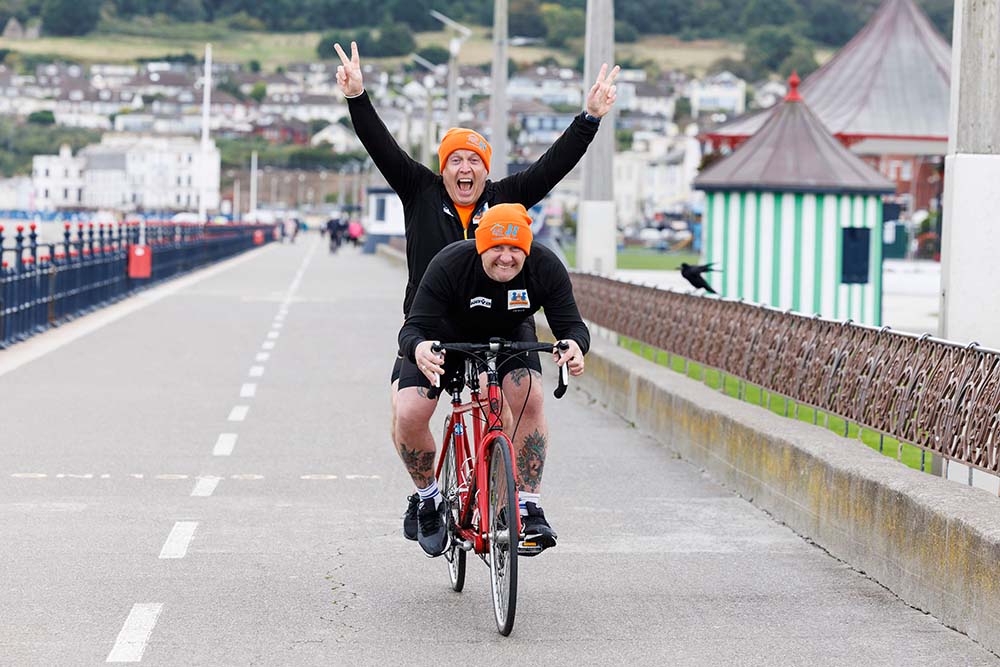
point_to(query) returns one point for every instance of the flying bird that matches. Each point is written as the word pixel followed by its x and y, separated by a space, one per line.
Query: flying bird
pixel 693 275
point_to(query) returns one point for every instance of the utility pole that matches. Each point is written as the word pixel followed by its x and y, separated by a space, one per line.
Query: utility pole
pixel 498 101
pixel 253 186
pixel 236 200
pixel 454 46
pixel 425 147
pixel 596 228
pixel 206 114
pixel 970 284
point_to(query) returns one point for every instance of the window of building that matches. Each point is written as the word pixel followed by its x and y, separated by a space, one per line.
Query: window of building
pixel 46 191
pixel 906 171
pixel 65 194
pixel 380 209
pixel 79 194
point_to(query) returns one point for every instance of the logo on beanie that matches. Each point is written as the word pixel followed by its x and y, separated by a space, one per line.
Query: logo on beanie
pixel 499 231
pixel 475 140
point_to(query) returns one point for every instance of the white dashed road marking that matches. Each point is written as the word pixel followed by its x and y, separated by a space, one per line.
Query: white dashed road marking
pixel 268 345
pixel 273 334
pixel 224 445
pixel 256 371
pixel 262 356
pixel 239 413
pixel 248 390
pixel 132 639
pixel 178 540
pixel 205 486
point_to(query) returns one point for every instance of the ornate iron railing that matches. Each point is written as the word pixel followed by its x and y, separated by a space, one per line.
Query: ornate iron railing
pixel 44 284
pixel 941 396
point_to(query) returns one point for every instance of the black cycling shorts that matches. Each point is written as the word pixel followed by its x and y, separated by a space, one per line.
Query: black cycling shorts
pixel 404 369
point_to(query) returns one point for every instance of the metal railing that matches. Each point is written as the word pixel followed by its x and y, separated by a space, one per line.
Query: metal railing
pixel 935 394
pixel 44 284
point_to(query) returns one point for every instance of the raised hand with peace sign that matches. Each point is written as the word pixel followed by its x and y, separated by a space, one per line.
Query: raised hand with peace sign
pixel 603 93
pixel 349 72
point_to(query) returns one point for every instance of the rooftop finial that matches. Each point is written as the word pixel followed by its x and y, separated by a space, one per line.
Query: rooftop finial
pixel 793 88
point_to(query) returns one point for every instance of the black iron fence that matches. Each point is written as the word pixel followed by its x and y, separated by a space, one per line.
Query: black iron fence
pixel 43 284
pixel 935 394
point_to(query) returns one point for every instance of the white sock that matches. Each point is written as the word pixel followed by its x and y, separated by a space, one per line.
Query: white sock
pixel 523 498
pixel 431 491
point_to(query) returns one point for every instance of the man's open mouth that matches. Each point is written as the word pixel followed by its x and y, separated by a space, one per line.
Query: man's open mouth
pixel 465 185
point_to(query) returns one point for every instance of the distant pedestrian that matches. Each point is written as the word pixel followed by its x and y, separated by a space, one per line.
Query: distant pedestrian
pixel 354 231
pixel 693 275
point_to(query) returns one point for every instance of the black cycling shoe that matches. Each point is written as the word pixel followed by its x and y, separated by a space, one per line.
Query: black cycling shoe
pixel 410 518
pixel 432 531
pixel 537 534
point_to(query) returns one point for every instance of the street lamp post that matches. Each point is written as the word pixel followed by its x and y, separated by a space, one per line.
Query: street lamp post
pixel 498 101
pixel 454 46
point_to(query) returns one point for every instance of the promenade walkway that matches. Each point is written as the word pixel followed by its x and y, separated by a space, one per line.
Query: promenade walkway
pixel 207 480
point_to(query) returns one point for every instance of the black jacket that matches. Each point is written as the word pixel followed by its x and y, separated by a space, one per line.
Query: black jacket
pixel 458 303
pixel 429 215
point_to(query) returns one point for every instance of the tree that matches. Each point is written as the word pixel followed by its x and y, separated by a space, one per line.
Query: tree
pixel 70 17
pixel 525 19
pixel 830 22
pixel 682 109
pixel 394 39
pixel 801 60
pixel 767 47
pixel 259 91
pixel 42 118
pixel 769 12
pixel 625 33
pixel 562 24
pixel 254 66
pixel 435 54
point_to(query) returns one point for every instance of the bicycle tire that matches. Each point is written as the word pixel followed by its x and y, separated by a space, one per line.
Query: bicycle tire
pixel 503 537
pixel 454 555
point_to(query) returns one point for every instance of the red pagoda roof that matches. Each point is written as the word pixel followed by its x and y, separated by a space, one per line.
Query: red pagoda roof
pixel 891 81
pixel 793 152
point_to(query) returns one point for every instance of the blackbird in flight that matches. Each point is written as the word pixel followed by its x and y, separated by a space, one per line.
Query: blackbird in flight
pixel 693 275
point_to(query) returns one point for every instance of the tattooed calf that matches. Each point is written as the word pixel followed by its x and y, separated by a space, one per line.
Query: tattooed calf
pixel 530 461
pixel 420 465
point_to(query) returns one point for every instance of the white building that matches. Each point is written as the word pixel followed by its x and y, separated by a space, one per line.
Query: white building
pixel 128 172
pixel 58 180
pixel 655 176
pixel 723 92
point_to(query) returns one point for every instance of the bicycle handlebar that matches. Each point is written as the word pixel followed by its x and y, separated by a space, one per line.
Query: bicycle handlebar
pixel 497 345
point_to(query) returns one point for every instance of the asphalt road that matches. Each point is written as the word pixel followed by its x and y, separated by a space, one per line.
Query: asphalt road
pixel 208 480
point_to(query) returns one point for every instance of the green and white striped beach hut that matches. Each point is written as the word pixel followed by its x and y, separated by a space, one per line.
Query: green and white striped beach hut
pixel 794 220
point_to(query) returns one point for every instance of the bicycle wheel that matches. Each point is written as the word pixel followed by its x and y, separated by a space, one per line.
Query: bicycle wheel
pixel 448 482
pixel 503 535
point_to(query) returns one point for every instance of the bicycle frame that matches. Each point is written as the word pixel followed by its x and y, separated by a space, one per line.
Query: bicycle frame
pixel 471 528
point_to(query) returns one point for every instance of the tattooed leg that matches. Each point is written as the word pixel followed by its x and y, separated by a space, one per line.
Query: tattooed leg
pixel 414 442
pixel 419 464
pixel 532 437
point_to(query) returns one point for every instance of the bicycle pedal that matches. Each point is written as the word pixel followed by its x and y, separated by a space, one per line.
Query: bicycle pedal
pixel 529 549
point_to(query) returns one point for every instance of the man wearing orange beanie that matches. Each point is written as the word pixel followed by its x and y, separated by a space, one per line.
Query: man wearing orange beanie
pixel 444 207
pixel 472 291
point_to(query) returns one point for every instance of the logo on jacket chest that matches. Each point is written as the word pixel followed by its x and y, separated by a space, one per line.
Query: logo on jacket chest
pixel 481 301
pixel 517 299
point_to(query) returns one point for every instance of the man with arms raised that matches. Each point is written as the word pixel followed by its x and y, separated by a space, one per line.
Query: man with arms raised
pixel 471 292
pixel 439 209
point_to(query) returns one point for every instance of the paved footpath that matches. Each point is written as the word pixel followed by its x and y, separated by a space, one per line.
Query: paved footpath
pixel 208 480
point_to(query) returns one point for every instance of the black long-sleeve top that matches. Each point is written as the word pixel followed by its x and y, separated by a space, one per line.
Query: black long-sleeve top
pixel 457 302
pixel 429 216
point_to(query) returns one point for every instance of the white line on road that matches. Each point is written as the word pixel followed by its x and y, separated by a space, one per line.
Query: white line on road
pixel 248 390
pixel 239 413
pixel 178 540
pixel 131 642
pixel 277 325
pixel 268 345
pixel 263 356
pixel 273 334
pixel 224 445
pixel 256 371
pixel 205 486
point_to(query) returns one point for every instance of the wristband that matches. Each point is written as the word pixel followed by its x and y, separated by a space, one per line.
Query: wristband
pixel 592 119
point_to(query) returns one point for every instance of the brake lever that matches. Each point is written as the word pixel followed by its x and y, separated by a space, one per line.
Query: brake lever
pixel 563 374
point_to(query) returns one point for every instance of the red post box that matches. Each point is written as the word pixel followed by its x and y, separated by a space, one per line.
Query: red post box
pixel 140 261
pixel 258 237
